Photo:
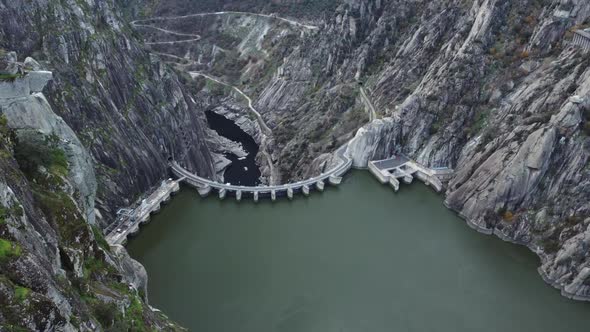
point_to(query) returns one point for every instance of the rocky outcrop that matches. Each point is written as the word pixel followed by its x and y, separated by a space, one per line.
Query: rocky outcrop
pixel 56 270
pixel 134 273
pixel 22 87
pixel 8 64
pixel 128 110
pixel 220 146
pixel 28 111
pixel 375 141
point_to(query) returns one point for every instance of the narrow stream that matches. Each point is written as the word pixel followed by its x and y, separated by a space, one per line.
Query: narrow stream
pixel 245 171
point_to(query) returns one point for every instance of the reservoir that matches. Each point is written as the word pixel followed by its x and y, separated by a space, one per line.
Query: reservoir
pixel 358 257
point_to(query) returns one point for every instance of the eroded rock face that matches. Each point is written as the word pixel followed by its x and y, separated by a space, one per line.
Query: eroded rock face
pixel 127 109
pixel 96 136
pixel 513 133
pixel 31 112
pixel 87 143
pixel 375 141
pixel 57 273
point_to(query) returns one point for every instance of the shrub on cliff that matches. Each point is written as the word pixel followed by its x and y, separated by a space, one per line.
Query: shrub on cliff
pixel 33 152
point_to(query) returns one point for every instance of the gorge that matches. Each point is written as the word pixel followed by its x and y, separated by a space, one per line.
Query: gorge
pixel 243 169
pixel 99 98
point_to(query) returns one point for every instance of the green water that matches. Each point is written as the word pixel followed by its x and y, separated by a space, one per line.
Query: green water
pixel 354 258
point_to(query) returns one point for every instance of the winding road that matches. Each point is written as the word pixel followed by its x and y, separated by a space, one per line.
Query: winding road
pixel 369 105
pixel 195 38
pixel 261 122
pixel 173 42
pixel 292 22
pixel 266 131
pixel 189 61
pixel 165 30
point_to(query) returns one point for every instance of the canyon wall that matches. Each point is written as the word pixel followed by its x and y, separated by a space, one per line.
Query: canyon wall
pixel 87 127
pixel 490 88
pixel 129 110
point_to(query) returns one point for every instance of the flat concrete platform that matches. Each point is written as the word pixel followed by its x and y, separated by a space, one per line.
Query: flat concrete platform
pixel 391 163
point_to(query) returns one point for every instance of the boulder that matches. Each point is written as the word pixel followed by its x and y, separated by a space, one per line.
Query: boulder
pixel 32 64
pixel 8 65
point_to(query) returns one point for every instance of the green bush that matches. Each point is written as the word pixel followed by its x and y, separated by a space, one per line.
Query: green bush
pixel 21 293
pixel 30 155
pixel 99 237
pixel 9 77
pixel 134 315
pixel 8 250
pixel 105 313
pixel 63 213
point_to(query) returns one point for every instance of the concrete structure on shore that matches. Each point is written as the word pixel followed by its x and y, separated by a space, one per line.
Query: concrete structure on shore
pixel 398 168
pixel 129 220
pixel 205 186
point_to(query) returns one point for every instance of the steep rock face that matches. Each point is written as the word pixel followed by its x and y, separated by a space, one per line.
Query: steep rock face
pixel 32 113
pixel 57 273
pixel 127 109
pixel 232 50
pixel 508 115
pixel 377 140
pixel 97 137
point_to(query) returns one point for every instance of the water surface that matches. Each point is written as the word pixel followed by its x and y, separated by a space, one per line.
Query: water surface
pixel 354 258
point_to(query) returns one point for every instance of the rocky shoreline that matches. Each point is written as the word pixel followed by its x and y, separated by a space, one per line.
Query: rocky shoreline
pixel 534 249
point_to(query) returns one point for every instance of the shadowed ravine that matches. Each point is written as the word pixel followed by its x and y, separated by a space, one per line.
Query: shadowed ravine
pixel 244 171
pixel 357 258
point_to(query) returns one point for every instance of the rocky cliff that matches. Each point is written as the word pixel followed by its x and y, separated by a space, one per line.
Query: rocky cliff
pixel 86 129
pixel 57 273
pixel 491 88
pixel 503 101
pixel 127 109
